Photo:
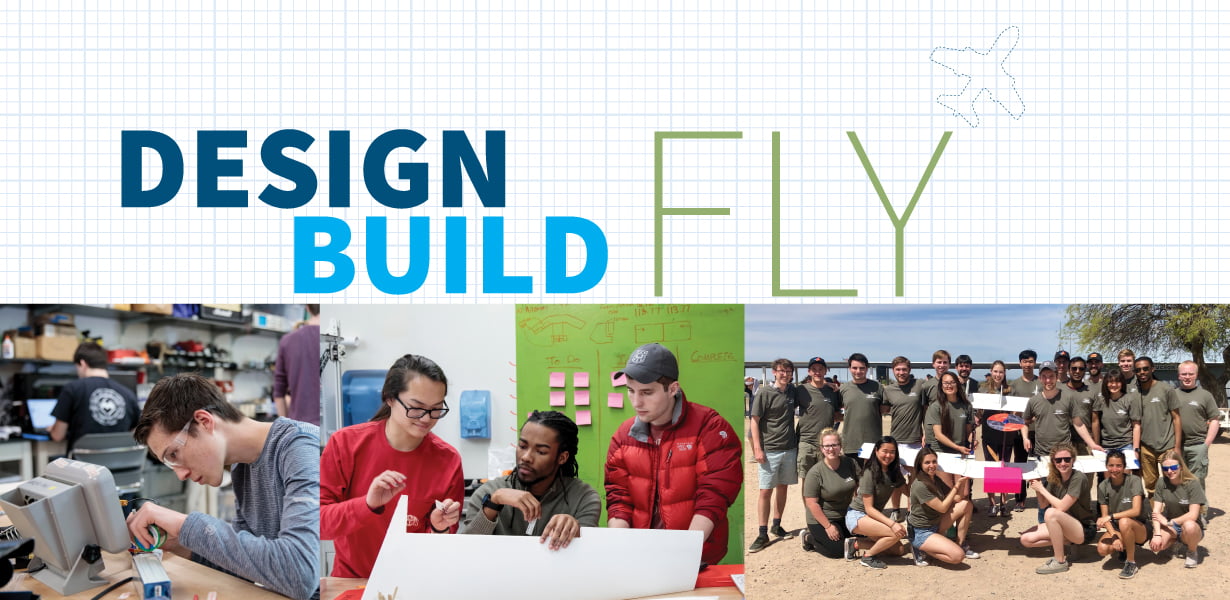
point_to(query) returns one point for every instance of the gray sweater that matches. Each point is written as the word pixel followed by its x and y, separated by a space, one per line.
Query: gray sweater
pixel 275 538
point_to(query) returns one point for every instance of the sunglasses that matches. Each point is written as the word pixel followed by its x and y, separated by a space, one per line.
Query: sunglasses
pixel 1170 468
pixel 1143 369
pixel 1062 459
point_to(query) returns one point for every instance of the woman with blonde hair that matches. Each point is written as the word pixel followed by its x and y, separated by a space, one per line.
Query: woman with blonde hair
pixel 1176 511
pixel 1064 513
pixel 828 489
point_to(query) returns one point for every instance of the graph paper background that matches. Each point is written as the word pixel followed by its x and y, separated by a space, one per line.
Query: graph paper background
pixel 1104 189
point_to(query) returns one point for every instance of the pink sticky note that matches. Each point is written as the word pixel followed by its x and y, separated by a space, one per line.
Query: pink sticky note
pixel 580 397
pixel 615 400
pixel 583 417
pixel 580 380
pixel 618 381
pixel 557 398
pixel 557 380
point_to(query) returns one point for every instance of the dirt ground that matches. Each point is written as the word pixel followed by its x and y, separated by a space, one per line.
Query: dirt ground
pixel 1005 570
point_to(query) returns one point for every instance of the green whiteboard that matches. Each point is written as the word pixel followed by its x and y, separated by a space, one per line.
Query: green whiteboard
pixel 596 339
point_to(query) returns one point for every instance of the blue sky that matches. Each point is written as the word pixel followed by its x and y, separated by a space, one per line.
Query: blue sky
pixel 985 332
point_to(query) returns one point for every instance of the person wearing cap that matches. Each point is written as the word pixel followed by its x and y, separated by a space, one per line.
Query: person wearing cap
pixel 1161 427
pixel 1082 398
pixel 819 407
pixel 1050 415
pixel 1093 366
pixel 1027 384
pixel 1062 360
pixel 676 464
pixel 775 446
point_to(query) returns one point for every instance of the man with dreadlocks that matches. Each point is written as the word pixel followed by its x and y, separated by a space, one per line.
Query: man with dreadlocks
pixel 542 496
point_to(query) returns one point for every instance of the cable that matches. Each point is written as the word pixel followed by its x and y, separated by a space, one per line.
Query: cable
pixel 112 587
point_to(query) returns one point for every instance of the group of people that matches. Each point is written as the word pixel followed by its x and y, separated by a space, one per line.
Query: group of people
pixel 885 506
pixel 367 467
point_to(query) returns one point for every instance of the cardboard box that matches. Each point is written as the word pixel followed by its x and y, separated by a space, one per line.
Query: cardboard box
pixel 217 312
pixel 23 342
pixel 122 306
pixel 55 347
pixel 154 309
pixel 57 318
pixel 52 330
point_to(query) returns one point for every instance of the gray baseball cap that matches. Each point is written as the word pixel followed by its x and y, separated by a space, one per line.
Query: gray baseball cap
pixel 651 362
pixel 1048 365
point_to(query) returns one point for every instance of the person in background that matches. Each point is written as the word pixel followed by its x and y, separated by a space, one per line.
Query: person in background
pixel 367 467
pixel 296 374
pixel 93 403
pixel 1001 445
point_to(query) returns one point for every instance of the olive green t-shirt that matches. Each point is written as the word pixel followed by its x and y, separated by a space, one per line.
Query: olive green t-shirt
pixel 879 491
pixel 1156 427
pixel 862 421
pixel 1180 498
pixel 776 411
pixel 1052 421
pixel 1115 419
pixel 922 515
pixel 1119 499
pixel 1082 405
pixel 1078 486
pixel 1196 409
pixel 1026 389
pixel 816 409
pixel 927 390
pixel 906 408
pixel 835 489
pixel 959 415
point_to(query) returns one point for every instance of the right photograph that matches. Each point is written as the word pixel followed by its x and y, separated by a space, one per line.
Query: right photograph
pixel 995 447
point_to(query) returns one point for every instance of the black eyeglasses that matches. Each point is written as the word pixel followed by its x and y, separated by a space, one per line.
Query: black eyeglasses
pixel 1062 459
pixel 417 413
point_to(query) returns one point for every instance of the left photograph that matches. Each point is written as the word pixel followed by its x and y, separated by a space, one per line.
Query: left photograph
pixel 601 444
pixel 162 450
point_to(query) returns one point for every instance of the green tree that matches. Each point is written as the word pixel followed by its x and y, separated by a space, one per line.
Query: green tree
pixel 1201 330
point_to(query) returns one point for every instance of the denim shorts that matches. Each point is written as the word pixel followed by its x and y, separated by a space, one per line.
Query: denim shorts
pixel 852 517
pixel 921 534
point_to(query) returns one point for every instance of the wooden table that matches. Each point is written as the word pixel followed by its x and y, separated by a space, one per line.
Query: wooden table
pixel 187 579
pixel 332 587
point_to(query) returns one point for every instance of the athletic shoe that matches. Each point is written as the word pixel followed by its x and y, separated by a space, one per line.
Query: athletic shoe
pixel 759 544
pixel 851 549
pixel 1020 506
pixel 969 552
pixel 806 537
pixel 993 511
pixel 1051 567
pixel 1129 570
pixel 781 533
pixel 1193 560
pixel 872 562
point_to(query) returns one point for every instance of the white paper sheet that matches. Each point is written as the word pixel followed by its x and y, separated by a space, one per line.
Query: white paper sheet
pixel 997 402
pixel 602 564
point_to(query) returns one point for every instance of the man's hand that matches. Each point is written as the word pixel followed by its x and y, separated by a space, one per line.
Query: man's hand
pixel 760 457
pixel 519 499
pixel 384 488
pixel 445 514
pixel 561 529
pixel 153 514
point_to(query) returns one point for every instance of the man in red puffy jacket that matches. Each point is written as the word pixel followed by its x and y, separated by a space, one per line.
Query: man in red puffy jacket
pixel 676 464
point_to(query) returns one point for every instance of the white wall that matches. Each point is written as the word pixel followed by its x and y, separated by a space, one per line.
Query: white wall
pixel 475 345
